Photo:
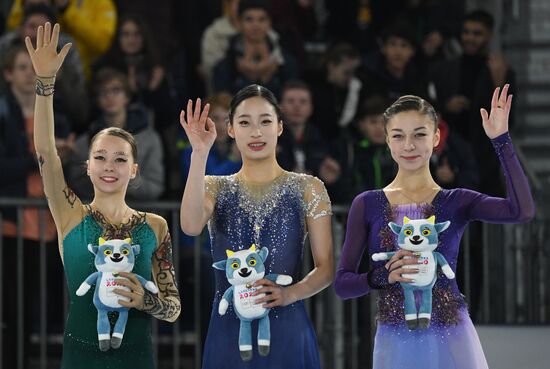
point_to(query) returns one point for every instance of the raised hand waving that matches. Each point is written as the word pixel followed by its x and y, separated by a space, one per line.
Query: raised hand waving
pixel 45 58
pixel 200 129
pixel 495 123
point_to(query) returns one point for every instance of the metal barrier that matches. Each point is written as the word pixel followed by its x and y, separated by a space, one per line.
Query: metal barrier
pixel 517 268
pixel 515 254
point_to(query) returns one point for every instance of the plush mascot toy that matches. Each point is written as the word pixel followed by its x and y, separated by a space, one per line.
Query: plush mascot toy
pixel 242 269
pixel 421 237
pixel 111 257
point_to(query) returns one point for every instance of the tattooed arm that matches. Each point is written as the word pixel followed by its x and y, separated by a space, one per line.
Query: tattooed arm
pixel 166 304
pixel 46 62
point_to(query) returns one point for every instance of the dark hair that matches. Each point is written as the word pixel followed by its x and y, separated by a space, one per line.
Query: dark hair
pixel 400 29
pixel 339 52
pixel 245 5
pixel 410 103
pixel 254 91
pixel 374 105
pixel 120 133
pixel 8 60
pixel 116 58
pixel 39 9
pixel 106 75
pixel 295 85
pixel 480 16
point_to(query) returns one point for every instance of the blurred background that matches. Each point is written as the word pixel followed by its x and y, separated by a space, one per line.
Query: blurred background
pixel 334 66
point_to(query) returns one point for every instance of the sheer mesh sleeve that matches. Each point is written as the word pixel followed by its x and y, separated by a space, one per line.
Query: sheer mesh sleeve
pixel 166 304
pixel 66 208
pixel 211 186
pixel 518 206
pixel 349 283
pixel 316 198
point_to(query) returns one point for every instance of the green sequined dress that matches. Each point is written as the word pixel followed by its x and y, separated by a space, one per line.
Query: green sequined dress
pixel 80 343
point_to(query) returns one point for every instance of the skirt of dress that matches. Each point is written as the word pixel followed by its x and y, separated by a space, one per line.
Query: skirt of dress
pixel 449 347
pixel 86 355
pixel 293 341
pixel 81 346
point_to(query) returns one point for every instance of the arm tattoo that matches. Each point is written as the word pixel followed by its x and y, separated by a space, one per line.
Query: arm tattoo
pixel 70 196
pixel 166 305
pixel 163 309
pixel 44 88
pixel 41 162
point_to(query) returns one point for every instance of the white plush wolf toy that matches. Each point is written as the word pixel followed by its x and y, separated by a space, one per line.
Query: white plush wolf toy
pixel 242 269
pixel 111 257
pixel 421 237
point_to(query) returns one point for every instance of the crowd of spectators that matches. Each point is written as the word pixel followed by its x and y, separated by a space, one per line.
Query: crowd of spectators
pixel 335 67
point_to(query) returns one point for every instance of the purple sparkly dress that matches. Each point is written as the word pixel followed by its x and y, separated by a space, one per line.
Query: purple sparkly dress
pixel 272 215
pixel 451 341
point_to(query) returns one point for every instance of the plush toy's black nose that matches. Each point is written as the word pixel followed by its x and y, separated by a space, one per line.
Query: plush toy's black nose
pixel 416 238
pixel 244 272
pixel 116 255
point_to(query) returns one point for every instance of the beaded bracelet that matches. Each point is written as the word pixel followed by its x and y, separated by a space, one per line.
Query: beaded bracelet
pixel 45 85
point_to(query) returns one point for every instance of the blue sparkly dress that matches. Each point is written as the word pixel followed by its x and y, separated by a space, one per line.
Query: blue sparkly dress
pixel 271 215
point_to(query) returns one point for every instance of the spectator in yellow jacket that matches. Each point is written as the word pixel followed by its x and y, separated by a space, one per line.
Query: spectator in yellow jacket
pixel 92 23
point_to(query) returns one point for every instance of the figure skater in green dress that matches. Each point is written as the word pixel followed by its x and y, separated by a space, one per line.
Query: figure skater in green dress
pixel 111 166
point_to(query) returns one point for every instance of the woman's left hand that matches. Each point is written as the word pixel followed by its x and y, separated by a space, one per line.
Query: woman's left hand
pixel 495 123
pixel 275 295
pixel 136 291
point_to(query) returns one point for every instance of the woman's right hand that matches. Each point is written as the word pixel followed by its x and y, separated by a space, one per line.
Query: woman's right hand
pixel 199 128
pixel 45 58
pixel 396 264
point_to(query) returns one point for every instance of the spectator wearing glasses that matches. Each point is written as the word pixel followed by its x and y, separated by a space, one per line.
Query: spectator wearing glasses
pixel 113 100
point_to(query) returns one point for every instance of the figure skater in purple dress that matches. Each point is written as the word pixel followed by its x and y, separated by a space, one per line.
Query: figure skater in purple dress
pixel 451 341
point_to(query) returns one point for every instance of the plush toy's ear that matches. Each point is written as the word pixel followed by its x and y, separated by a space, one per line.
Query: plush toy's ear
pixel 440 227
pixel 229 253
pixel 136 249
pixel 396 228
pixel 220 265
pixel 101 241
pixel 92 249
pixel 405 220
pixel 128 240
pixel 431 219
pixel 263 253
pixel 252 248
